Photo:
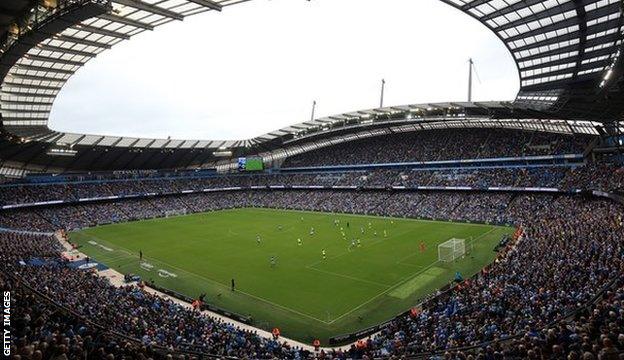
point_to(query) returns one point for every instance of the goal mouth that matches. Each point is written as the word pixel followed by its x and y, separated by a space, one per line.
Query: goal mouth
pixel 176 212
pixel 451 250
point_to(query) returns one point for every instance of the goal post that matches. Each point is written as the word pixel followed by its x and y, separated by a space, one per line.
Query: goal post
pixel 176 212
pixel 451 250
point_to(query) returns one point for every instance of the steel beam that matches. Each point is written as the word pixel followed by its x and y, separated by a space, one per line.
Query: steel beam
pixel 126 21
pixel 140 5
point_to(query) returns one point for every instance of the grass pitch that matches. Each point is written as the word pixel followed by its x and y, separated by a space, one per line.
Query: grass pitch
pixel 304 295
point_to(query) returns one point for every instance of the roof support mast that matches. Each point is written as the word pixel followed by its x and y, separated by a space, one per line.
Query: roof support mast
pixel 470 65
pixel 383 88
pixel 313 110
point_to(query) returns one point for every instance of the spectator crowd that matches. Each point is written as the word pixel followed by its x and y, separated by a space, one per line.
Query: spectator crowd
pixel 555 291
pixel 429 145
pixel 438 145
pixel 589 177
pixel 537 300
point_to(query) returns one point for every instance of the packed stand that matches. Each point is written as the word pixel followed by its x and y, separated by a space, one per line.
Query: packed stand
pixel 481 207
pixel 438 145
pixel 591 176
pixel 572 249
pixel 85 308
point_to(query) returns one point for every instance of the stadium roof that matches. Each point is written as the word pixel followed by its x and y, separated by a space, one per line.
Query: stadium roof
pixel 568 53
pixel 114 153
pixel 53 39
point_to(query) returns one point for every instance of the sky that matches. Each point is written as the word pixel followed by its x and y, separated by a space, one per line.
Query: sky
pixel 258 66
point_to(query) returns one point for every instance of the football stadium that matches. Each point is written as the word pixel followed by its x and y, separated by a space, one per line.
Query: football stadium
pixel 446 230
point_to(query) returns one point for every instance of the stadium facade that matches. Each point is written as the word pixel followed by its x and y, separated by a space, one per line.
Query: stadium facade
pixel 568 55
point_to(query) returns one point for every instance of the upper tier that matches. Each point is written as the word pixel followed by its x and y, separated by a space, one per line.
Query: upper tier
pixel 437 145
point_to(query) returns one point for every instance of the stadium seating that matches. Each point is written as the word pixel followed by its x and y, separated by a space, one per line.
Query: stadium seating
pixel 436 145
pixel 589 177
pixel 570 252
pixel 555 291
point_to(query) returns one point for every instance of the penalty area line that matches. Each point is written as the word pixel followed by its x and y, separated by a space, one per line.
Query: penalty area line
pixel 349 277
pixel 406 279
pixel 409 277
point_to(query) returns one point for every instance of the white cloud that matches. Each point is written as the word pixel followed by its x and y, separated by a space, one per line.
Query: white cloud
pixel 257 66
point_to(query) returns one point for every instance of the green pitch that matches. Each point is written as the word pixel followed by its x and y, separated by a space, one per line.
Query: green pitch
pixel 305 295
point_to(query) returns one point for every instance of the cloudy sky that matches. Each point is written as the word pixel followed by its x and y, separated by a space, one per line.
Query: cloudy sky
pixel 258 66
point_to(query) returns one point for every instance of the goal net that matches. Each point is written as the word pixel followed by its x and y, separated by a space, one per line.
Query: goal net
pixel 175 212
pixel 451 250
